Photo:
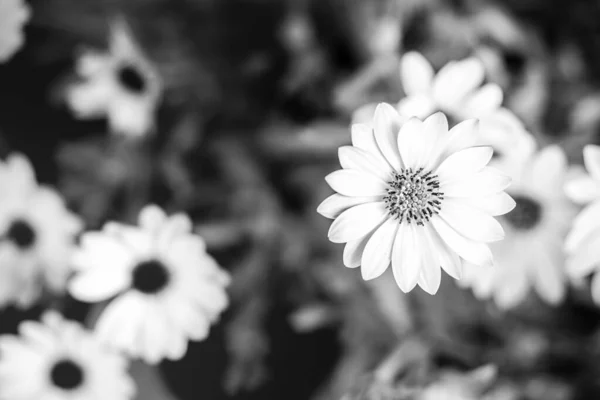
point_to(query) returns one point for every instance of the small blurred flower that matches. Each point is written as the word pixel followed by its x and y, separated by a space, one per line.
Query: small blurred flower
pixel 167 288
pixel 13 15
pixel 57 359
pixel 121 85
pixel 531 255
pixel 37 236
pixel 413 194
pixel 583 242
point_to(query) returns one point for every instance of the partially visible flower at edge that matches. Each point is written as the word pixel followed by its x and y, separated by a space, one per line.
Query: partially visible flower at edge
pixel 37 236
pixel 56 359
pixel 583 242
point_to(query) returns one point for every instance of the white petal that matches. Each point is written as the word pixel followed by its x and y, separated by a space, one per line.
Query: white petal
pixel 89 99
pixel 418 105
pixel 464 162
pixel 549 279
pixel 98 285
pixel 493 204
pixel 387 124
pixel 430 276
pixel 591 157
pixel 410 143
pixel 363 137
pixel 378 251
pixel 548 171
pixel 584 225
pixel 364 115
pixel 152 218
pixel 355 183
pixel 448 260
pixel 475 252
pixel 582 189
pixel 586 259
pixel 335 204
pixel 510 295
pixel 355 158
pixel 406 258
pixel 463 135
pixel 354 250
pixel 455 80
pixel 484 183
pixel 416 73
pixel 357 222
pixel 483 101
pixel 435 130
pixel 471 222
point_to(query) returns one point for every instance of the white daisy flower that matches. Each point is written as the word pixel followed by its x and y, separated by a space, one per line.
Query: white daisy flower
pixel 582 244
pixel 413 194
pixel 532 255
pixel 167 288
pixel 57 359
pixel 13 15
pixel 121 85
pixel 37 236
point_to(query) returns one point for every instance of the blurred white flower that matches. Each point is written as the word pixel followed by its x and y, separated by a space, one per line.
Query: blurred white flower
pixel 583 242
pixel 413 194
pixel 121 85
pixel 13 15
pixel 455 90
pixel 37 236
pixel 167 288
pixel 532 254
pixel 57 359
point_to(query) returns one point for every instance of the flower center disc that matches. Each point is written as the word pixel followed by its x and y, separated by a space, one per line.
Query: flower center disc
pixel 526 214
pixel 413 196
pixel 150 277
pixel 21 233
pixel 66 374
pixel 131 79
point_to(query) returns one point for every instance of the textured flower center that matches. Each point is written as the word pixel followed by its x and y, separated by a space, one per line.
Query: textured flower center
pixel 413 196
pixel 66 374
pixel 526 214
pixel 131 79
pixel 150 276
pixel 21 233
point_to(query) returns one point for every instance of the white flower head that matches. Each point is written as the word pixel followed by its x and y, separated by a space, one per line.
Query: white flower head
pixel 167 288
pixel 417 195
pixel 13 15
pixel 37 236
pixel 531 256
pixel 121 85
pixel 57 359
pixel 583 242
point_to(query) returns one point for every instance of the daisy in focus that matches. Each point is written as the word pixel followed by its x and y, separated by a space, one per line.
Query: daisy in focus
pixel 121 85
pixel 413 194
pixel 13 15
pixel 582 244
pixel 166 288
pixel 37 236
pixel 531 256
pixel 57 359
